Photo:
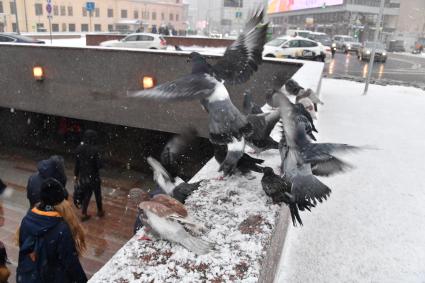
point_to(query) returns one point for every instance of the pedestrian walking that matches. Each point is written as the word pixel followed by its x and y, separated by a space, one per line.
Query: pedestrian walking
pixel 50 240
pixel 86 172
pixel 54 167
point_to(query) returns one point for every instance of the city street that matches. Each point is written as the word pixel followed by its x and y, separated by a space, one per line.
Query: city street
pixel 400 67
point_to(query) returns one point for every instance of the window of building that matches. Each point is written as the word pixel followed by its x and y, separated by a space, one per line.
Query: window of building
pixel 40 27
pixel 84 27
pixel 171 17
pixel 55 10
pixel 63 11
pixel 97 12
pixel 136 14
pixel 1 7
pixel 63 27
pixel 12 8
pixel 70 11
pixel 71 27
pixel 162 16
pixel 84 12
pixel 55 27
pixel 14 28
pixel 147 15
pixel 97 27
pixel 38 9
pixel 110 13
pixel 153 15
pixel 177 17
pixel 110 27
pixel 123 14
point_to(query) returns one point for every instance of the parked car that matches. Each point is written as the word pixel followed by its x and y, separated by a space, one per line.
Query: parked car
pixel 366 50
pixel 297 48
pixel 321 37
pixel 138 40
pixel 16 38
pixel 298 32
pixel 396 46
pixel 346 43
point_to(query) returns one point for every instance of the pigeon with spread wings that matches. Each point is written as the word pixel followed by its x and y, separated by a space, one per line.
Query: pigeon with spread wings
pixel 206 83
pixel 168 218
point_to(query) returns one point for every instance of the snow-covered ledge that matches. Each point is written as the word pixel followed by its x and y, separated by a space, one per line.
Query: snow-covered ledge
pixel 247 229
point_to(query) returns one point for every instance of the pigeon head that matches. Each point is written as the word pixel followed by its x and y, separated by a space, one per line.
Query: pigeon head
pixel 137 195
pixel 268 171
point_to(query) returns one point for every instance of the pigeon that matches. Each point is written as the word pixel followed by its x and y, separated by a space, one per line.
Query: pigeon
pixel 174 187
pixel 178 48
pixel 174 152
pixel 249 107
pixel 292 87
pixel 168 218
pixel 303 117
pixel 299 153
pixel 280 190
pixel 244 165
pixel 206 83
pixel 263 125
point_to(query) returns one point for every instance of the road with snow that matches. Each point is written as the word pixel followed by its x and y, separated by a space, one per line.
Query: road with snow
pixel 371 228
pixel 401 67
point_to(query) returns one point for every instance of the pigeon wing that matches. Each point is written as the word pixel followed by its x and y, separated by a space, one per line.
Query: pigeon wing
pixel 193 86
pixel 242 57
pixel 174 205
pixel 156 208
pixel 330 167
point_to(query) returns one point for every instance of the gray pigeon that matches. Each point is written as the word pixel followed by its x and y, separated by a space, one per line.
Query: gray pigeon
pixel 299 154
pixel 175 187
pixel 262 125
pixel 206 82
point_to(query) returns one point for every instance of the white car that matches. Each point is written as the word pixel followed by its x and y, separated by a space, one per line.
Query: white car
pixel 138 40
pixel 298 48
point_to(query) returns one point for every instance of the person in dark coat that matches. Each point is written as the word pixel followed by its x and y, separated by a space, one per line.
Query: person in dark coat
pixel 2 187
pixel 86 172
pixel 49 168
pixel 51 240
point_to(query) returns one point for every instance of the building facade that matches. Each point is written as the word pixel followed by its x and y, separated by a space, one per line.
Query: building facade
pixel 225 17
pixel 352 17
pixel 108 15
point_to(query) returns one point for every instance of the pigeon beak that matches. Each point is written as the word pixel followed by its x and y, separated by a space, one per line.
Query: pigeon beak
pixel 312 136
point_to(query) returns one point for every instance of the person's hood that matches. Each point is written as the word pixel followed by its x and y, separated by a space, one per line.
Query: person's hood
pixel 90 137
pixel 40 222
pixel 47 168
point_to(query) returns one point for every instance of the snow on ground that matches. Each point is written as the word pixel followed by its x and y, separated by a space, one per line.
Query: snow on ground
pixel 371 228
pixel 68 42
pixel 225 207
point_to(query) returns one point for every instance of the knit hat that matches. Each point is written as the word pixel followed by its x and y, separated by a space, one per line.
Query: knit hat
pixel 52 192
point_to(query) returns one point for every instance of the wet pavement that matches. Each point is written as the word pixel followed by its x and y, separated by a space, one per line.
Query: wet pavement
pixel 400 67
pixel 104 236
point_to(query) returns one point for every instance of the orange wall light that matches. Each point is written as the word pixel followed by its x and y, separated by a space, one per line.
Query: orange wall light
pixel 148 82
pixel 38 73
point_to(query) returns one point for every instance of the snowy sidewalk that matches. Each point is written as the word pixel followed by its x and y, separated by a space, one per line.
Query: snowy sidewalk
pixel 371 228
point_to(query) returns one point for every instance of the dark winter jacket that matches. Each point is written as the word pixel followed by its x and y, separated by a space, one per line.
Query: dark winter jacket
pixel 87 159
pixel 47 252
pixel 49 168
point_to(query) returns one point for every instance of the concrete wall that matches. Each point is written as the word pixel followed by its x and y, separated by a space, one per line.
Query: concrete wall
pixel 91 84
pixel 96 39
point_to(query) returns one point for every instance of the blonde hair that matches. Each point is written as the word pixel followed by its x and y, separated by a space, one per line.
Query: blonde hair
pixel 68 214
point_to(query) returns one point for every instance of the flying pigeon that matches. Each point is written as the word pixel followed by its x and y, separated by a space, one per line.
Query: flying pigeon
pixel 299 153
pixel 281 190
pixel 292 87
pixel 263 125
pixel 174 152
pixel 249 107
pixel 174 187
pixel 244 164
pixel 303 117
pixel 206 82
pixel 168 218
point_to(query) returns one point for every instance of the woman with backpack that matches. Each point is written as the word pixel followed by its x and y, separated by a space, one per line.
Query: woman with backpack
pixel 51 240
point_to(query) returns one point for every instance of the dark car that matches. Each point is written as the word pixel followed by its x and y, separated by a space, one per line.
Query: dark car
pixel 321 37
pixel 366 50
pixel 396 46
pixel 16 38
